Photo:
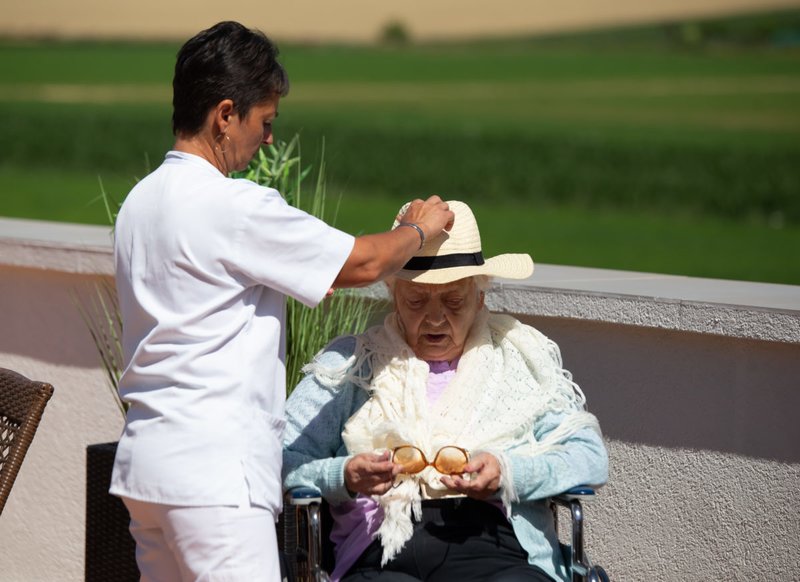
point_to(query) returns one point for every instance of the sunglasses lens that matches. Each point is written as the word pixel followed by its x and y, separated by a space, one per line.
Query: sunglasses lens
pixel 450 461
pixel 410 458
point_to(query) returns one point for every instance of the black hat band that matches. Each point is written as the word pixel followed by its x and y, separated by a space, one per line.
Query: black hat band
pixel 444 261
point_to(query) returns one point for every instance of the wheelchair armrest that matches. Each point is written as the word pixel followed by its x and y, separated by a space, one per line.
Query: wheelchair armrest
pixel 304 496
pixel 580 492
pixel 303 536
pixel 580 565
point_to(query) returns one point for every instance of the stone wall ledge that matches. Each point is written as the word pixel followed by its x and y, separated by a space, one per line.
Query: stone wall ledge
pixel 56 246
pixel 741 309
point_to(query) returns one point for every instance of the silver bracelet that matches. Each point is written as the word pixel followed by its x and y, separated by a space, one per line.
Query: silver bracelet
pixel 418 229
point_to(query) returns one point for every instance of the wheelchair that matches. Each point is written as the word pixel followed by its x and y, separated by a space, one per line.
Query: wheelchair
pixel 304 526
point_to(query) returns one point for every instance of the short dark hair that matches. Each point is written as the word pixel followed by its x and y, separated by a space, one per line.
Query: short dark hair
pixel 226 61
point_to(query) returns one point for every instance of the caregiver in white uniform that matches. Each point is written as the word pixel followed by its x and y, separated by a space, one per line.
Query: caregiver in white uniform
pixel 203 267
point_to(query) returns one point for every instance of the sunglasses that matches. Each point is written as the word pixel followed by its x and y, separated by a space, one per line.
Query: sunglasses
pixel 449 460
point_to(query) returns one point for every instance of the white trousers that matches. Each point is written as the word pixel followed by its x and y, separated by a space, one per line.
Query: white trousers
pixel 204 544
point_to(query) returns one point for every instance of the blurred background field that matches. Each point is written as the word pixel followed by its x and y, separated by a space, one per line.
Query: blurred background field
pixel 671 147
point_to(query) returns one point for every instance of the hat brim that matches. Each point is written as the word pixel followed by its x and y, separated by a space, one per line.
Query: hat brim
pixel 508 266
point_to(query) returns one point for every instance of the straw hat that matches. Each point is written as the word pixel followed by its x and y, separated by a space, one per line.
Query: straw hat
pixel 457 254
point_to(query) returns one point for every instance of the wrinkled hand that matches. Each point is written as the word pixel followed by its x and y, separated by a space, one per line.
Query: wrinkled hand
pixel 485 479
pixel 432 216
pixel 370 473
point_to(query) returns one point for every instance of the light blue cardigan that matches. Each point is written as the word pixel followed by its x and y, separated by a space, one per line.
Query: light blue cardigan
pixel 314 456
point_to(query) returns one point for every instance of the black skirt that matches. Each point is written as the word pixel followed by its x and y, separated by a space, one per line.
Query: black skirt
pixel 457 539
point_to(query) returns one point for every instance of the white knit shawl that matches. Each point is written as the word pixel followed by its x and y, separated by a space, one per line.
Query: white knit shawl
pixel 508 376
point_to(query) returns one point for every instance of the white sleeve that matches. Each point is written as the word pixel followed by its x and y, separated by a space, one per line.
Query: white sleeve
pixel 287 249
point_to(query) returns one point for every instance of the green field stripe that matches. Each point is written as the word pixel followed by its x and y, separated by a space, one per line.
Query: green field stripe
pixel 73 93
pixel 759 104
pixel 400 92
pixel 607 88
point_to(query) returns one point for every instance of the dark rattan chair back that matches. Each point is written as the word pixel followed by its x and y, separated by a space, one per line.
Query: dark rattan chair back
pixel 110 549
pixel 22 403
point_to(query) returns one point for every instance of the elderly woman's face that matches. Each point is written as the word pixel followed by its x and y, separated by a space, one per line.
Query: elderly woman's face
pixel 437 318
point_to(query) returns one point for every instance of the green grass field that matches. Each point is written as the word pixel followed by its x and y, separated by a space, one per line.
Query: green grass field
pixel 624 150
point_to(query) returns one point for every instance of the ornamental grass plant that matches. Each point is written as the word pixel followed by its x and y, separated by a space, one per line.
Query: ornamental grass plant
pixel 100 313
pixel 307 330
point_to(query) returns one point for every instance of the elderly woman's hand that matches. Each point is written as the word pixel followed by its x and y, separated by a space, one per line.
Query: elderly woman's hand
pixel 370 473
pixel 485 481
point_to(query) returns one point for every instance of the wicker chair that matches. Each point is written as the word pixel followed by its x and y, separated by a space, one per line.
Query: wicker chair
pixel 22 403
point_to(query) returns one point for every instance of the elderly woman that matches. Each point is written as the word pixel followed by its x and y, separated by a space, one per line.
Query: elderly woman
pixel 437 435
pixel 204 264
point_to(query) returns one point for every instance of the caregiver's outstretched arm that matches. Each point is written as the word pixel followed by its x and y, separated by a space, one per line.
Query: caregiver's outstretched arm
pixel 376 256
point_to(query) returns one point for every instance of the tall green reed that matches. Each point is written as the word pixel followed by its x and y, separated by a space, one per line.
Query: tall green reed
pixel 280 166
pixel 101 315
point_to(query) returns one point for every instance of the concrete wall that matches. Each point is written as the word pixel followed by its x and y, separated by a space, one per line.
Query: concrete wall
pixel 694 382
pixel 43 337
pixel 704 448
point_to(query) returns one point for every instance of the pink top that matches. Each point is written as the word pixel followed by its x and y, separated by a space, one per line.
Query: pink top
pixel 356 522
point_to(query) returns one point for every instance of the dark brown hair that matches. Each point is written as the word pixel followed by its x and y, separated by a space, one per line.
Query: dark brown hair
pixel 226 61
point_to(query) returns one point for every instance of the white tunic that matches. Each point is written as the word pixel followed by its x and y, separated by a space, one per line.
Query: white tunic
pixel 203 266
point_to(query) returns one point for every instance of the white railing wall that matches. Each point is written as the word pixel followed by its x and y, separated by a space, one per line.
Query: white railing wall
pixel 695 383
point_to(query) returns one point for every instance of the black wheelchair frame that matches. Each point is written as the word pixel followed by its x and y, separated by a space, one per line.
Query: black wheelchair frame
pixel 305 557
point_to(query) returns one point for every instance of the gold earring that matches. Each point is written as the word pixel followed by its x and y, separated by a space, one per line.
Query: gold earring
pixel 218 142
